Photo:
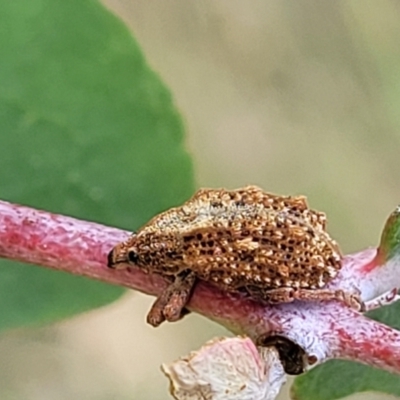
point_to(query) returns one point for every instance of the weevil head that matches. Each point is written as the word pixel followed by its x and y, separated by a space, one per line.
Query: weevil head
pixel 122 255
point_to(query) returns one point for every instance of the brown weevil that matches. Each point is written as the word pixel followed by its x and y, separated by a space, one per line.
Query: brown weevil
pixel 273 248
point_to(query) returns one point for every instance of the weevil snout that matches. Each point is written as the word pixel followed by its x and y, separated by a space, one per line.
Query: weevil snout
pixel 118 257
pixel 123 254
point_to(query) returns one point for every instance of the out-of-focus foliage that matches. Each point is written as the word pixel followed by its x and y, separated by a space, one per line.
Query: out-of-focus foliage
pixel 87 129
pixel 338 379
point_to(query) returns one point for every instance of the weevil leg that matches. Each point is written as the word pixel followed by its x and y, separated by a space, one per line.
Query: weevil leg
pixel 170 305
pixel 350 299
pixel 287 295
pixel 175 308
pixel 273 296
pixel 155 316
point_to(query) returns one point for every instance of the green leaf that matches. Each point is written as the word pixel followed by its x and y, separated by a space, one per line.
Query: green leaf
pixel 389 246
pixel 88 130
pixel 321 383
pixel 337 379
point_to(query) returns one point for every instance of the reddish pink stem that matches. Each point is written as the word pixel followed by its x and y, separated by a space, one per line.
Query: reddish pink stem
pixel 66 244
pixel 325 330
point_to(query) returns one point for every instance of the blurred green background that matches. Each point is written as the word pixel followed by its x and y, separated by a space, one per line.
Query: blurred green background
pixel 297 97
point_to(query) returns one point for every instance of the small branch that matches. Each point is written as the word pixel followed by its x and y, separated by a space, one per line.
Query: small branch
pixel 66 244
pixel 324 330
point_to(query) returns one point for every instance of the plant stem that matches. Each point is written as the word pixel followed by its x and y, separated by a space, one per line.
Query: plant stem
pixel 66 244
pixel 325 330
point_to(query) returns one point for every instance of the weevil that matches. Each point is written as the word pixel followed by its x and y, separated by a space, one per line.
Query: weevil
pixel 272 248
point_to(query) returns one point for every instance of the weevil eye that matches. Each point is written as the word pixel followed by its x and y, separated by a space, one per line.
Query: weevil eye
pixel 133 257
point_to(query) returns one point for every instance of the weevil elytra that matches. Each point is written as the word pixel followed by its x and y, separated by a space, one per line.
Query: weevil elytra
pixel 273 248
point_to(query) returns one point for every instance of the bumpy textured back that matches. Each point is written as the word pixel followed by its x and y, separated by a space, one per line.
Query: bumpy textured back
pixel 240 239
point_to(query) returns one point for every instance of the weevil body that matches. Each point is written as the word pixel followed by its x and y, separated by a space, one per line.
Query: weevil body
pixel 274 248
